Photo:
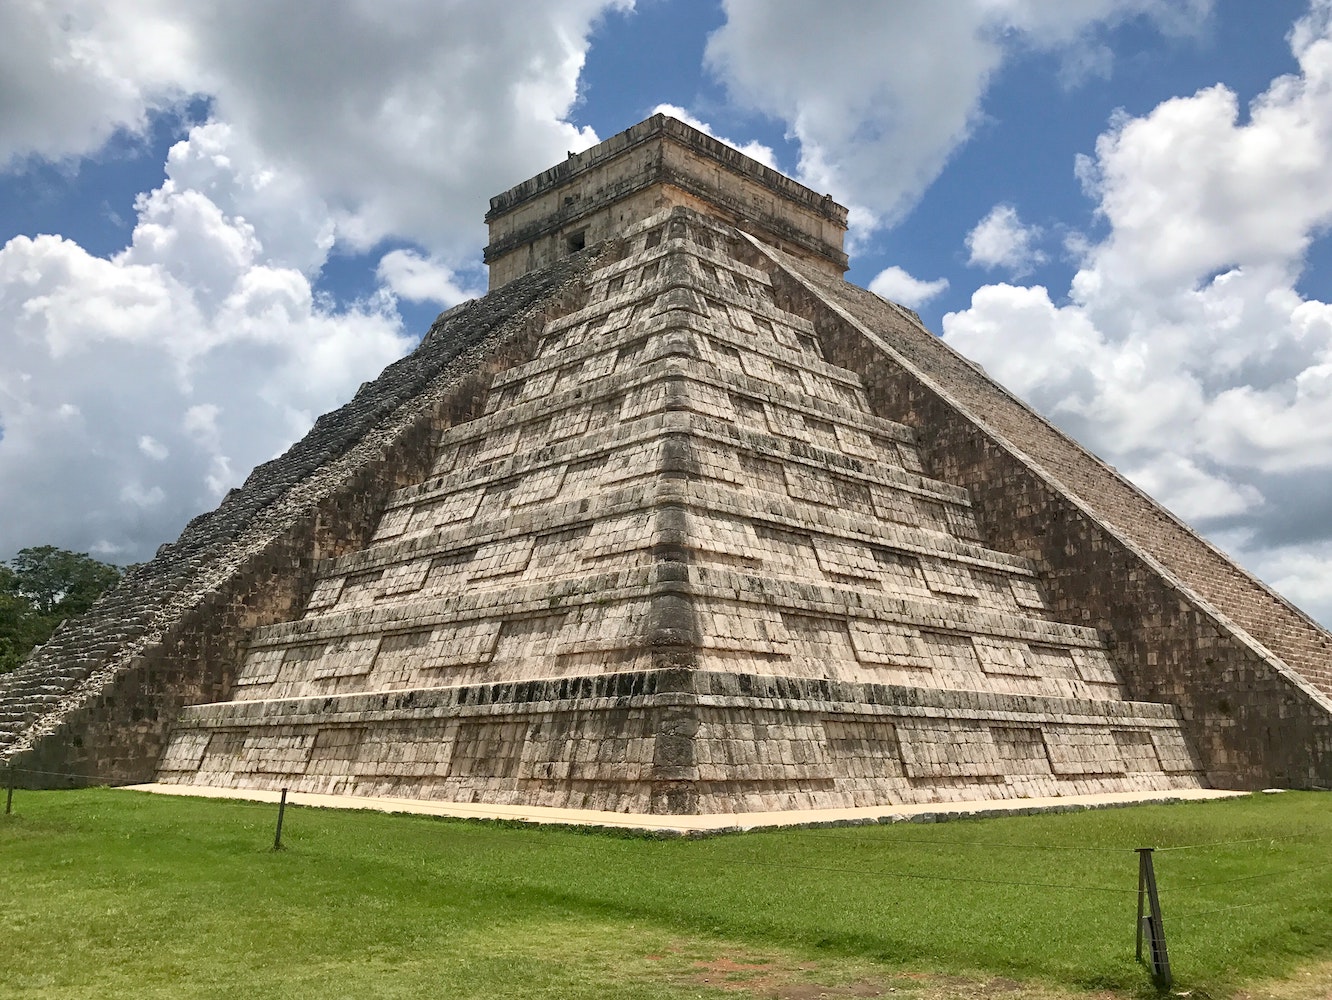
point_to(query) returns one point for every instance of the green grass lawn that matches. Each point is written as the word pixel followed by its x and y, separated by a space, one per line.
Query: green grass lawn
pixel 123 894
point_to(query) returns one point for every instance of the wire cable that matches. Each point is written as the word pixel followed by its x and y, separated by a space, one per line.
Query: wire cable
pixel 1246 878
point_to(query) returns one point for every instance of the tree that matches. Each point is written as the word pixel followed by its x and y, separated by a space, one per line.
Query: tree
pixel 20 628
pixel 57 582
pixel 40 588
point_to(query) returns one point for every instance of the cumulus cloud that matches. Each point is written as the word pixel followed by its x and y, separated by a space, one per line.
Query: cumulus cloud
pixel 1298 572
pixel 1184 352
pixel 399 123
pixel 72 73
pixel 137 388
pixel 189 345
pixel 441 104
pixel 1000 240
pixel 1191 491
pixel 899 286
pixel 153 448
pixel 410 276
pixel 861 85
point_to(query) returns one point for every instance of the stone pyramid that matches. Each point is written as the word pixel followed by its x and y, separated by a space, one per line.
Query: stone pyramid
pixel 676 521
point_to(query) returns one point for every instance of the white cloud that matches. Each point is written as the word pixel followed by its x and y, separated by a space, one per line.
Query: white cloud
pixel 1001 240
pixel 153 448
pixel 72 72
pixel 862 86
pixel 294 224
pixel 405 123
pixel 138 388
pixel 398 122
pixel 1299 572
pixel 754 149
pixel 899 286
pixel 410 276
pixel 1185 353
pixel 190 343
pixel 1191 491
pixel 135 495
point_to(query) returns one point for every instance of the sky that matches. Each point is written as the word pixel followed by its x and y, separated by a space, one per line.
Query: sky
pixel 218 218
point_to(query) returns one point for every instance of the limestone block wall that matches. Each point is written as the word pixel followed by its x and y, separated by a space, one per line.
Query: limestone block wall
pixel 1185 626
pixel 485 571
pixel 678 477
pixel 683 742
pixel 97 700
pixel 828 551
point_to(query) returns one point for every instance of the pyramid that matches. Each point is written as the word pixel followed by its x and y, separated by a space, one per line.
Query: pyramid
pixel 675 520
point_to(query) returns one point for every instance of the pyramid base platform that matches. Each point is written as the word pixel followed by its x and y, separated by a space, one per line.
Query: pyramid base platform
pixel 683 742
pixel 696 825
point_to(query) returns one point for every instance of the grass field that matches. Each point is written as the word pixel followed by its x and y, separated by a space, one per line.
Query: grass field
pixel 123 894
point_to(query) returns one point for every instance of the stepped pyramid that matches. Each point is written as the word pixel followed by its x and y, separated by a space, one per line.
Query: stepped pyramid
pixel 675 520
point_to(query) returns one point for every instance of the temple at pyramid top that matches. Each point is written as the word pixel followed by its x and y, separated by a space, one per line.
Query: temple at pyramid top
pixel 658 164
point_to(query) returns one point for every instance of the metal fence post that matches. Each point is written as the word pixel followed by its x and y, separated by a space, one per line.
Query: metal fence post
pixel 282 808
pixel 1151 922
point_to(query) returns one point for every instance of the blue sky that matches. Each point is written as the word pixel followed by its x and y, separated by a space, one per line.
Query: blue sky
pixel 216 220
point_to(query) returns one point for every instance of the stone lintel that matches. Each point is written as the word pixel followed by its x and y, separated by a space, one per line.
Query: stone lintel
pixel 658 164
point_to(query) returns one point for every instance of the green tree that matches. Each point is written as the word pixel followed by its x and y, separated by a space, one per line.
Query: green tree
pixel 40 588
pixel 57 582
pixel 20 628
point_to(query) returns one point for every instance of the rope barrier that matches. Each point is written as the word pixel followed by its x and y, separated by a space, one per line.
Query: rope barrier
pixel 1235 843
pixel 882 873
pixel 33 770
pixel 1222 909
pixel 848 833
pixel 832 834
pixel 1246 878
pixel 59 774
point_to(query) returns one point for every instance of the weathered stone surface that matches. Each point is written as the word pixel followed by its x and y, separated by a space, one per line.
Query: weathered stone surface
pixel 701 741
pixel 1251 673
pixel 684 523
pixel 96 701
pixel 656 165
pixel 693 501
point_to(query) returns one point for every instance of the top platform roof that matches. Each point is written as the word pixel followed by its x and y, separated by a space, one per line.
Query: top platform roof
pixel 596 194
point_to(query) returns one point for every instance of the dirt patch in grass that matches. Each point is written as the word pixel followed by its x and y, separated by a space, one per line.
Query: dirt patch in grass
pixel 769 979
pixel 1313 982
pixel 773 976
